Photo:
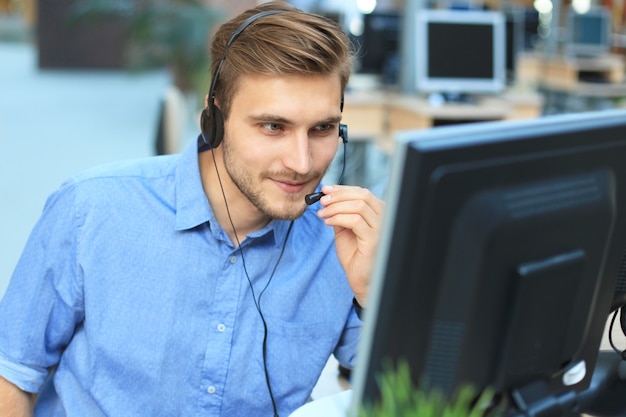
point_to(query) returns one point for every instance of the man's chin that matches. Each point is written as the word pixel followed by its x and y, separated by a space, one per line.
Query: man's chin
pixel 288 214
pixel 291 210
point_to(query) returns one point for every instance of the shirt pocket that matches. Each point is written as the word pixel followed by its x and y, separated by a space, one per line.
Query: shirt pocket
pixel 300 350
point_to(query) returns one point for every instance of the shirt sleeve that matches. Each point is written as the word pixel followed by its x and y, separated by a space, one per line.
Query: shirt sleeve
pixel 43 303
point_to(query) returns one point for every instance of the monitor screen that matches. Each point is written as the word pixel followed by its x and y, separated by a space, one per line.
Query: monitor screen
pixel 460 51
pixel 522 34
pixel 379 45
pixel 589 33
pixel 532 23
pixel 499 259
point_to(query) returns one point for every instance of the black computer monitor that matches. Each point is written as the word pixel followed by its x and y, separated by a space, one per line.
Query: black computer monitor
pixel 514 34
pixel 460 51
pixel 379 45
pixel 532 31
pixel 500 253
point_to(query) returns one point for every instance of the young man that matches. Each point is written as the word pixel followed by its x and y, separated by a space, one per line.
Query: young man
pixel 202 284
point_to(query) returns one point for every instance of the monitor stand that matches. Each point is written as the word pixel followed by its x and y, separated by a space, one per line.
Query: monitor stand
pixel 605 397
pixel 440 99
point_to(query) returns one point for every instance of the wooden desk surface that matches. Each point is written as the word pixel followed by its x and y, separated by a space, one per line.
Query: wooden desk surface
pixel 484 108
pixel 377 115
pixel 587 89
pixel 365 114
pixel 568 74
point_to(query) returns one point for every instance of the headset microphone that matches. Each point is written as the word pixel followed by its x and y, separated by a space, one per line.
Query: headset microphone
pixel 343 134
pixel 313 198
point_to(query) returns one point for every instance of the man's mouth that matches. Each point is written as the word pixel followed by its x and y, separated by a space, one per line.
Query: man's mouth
pixel 291 187
pixel 294 186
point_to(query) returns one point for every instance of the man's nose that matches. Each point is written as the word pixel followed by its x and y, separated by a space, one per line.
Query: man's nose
pixel 298 157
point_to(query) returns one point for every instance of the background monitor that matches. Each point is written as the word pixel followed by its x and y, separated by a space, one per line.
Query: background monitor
pixel 514 33
pixel 460 51
pixel 532 23
pixel 499 259
pixel 589 33
pixel 378 48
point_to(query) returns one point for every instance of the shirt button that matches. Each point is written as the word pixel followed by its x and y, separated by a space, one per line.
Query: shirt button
pixel 221 327
pixel 211 389
pixel 233 259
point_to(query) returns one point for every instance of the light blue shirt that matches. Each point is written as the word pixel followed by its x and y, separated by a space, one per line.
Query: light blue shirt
pixel 130 300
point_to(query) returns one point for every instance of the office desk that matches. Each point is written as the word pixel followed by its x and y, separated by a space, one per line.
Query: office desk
pixel 575 84
pixel 583 96
pixel 365 114
pixel 417 112
pixel 377 115
pixel 566 72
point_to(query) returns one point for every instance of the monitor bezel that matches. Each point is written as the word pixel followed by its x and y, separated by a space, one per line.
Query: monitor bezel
pixel 429 84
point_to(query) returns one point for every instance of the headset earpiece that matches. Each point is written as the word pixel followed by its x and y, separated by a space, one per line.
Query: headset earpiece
pixel 212 125
pixel 343 132
pixel 218 126
pixel 205 126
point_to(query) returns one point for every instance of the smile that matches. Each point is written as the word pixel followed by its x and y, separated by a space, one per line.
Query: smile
pixel 290 187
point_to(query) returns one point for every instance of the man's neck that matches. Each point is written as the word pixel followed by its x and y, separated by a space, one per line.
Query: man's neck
pixel 240 213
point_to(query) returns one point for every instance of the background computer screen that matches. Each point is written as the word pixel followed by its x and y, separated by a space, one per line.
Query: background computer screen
pixel 531 29
pixel 378 46
pixel 501 250
pixel 589 33
pixel 514 34
pixel 460 51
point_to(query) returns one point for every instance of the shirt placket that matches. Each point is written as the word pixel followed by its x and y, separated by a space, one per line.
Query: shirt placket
pixel 221 326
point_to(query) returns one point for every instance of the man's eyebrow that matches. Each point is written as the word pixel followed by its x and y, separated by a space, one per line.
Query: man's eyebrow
pixel 267 117
pixel 330 120
pixel 272 118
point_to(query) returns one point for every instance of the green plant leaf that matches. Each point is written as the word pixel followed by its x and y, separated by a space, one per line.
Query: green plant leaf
pixel 400 397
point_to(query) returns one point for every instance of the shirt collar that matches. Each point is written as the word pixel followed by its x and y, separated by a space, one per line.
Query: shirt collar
pixel 192 205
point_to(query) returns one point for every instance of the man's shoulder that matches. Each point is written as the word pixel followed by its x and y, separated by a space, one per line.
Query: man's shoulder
pixel 140 168
pixel 118 182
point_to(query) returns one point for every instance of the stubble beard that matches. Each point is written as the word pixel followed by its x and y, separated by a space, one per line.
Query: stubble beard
pixel 290 208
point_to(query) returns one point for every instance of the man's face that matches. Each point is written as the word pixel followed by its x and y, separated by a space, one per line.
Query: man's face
pixel 281 135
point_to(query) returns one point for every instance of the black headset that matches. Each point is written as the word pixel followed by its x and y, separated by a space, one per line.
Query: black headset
pixel 211 119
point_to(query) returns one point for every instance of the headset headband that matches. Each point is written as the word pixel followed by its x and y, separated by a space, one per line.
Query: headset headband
pixel 232 38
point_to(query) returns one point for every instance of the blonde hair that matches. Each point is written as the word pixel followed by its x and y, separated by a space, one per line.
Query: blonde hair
pixel 287 43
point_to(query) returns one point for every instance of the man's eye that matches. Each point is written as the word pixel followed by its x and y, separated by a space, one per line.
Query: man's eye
pixel 323 128
pixel 272 126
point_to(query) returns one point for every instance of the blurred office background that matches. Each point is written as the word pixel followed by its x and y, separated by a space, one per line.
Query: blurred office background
pixel 84 82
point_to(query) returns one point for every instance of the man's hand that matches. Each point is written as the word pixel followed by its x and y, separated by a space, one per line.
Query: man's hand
pixel 356 216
